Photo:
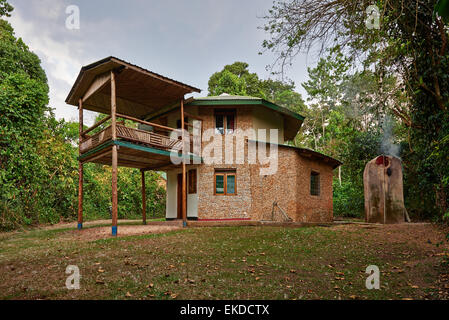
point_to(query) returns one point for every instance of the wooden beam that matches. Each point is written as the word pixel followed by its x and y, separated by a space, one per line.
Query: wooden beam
pixel 99 83
pixel 113 107
pixel 184 182
pixel 156 76
pixel 144 199
pixel 80 169
pixel 145 122
pixel 95 125
pixel 158 167
pixel 135 159
pixel 114 155
pixel 189 115
pixel 99 156
pixel 164 110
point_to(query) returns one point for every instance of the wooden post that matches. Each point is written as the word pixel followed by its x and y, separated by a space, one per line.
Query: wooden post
pixel 144 199
pixel 184 182
pixel 114 154
pixel 80 168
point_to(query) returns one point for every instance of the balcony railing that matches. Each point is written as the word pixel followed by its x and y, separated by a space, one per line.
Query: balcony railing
pixel 160 139
pixel 134 135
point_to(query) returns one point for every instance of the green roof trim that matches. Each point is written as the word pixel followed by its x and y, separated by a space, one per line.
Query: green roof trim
pixel 336 162
pixel 134 146
pixel 161 152
pixel 236 100
pixel 96 149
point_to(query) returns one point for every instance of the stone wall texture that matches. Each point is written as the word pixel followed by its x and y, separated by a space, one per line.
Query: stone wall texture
pixel 289 186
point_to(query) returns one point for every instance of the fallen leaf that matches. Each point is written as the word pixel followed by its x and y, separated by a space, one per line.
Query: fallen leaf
pixel 128 294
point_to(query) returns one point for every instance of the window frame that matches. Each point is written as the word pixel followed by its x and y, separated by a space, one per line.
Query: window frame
pixel 225 174
pixel 192 185
pixel 224 113
pixel 317 187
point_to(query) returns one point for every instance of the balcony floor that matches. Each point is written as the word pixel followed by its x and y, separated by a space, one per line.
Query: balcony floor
pixel 131 155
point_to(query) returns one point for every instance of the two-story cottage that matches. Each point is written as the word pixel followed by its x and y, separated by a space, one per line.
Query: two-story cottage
pixel 301 186
pixel 228 172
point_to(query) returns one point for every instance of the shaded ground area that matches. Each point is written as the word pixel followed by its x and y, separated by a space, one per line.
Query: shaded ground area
pixel 226 263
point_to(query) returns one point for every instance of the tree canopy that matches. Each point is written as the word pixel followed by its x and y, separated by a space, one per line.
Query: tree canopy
pixel 402 63
pixel 236 79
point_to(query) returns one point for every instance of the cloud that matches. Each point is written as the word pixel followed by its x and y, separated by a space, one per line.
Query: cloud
pixel 61 51
pixel 184 40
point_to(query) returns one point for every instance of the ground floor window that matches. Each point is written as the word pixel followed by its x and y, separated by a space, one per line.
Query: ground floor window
pixel 225 182
pixel 315 183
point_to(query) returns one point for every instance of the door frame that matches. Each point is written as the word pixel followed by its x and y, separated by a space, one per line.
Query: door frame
pixel 179 196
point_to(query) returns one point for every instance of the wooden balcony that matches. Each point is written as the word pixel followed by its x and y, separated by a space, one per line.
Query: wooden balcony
pixel 140 93
pixel 147 138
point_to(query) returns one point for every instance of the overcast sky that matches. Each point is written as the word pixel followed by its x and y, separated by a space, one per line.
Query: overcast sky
pixel 186 40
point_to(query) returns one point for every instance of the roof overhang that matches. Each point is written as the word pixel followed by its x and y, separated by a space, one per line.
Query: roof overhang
pixel 139 91
pixel 310 154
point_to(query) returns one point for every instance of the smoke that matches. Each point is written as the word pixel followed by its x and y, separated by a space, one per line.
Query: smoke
pixel 387 145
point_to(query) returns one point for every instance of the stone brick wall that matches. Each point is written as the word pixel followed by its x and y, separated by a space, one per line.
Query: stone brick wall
pixel 314 208
pixel 212 206
pixel 289 187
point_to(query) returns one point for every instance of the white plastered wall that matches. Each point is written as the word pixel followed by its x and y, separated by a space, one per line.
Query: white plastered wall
pixel 266 119
pixel 172 196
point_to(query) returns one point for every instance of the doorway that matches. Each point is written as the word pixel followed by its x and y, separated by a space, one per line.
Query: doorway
pixel 179 196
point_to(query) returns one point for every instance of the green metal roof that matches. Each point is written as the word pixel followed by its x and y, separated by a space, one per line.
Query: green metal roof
pixel 243 100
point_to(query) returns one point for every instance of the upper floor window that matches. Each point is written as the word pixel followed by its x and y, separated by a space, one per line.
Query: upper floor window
pixel 224 121
pixel 315 183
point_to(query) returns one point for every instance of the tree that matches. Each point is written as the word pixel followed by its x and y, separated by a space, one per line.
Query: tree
pixel 5 9
pixel 410 44
pixel 235 79
pixel 23 106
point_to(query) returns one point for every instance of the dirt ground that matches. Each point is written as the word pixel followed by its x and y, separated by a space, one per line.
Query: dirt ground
pixel 166 261
pixel 91 234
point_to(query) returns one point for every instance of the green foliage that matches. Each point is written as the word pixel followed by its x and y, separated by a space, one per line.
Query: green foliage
pixel 235 79
pixel 5 9
pixel 38 154
pixel 404 76
pixel 442 8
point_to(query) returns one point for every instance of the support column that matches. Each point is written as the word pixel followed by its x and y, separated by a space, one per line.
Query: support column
pixel 114 154
pixel 80 168
pixel 184 182
pixel 144 199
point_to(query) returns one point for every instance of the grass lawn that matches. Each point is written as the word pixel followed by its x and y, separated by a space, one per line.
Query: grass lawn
pixel 228 263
